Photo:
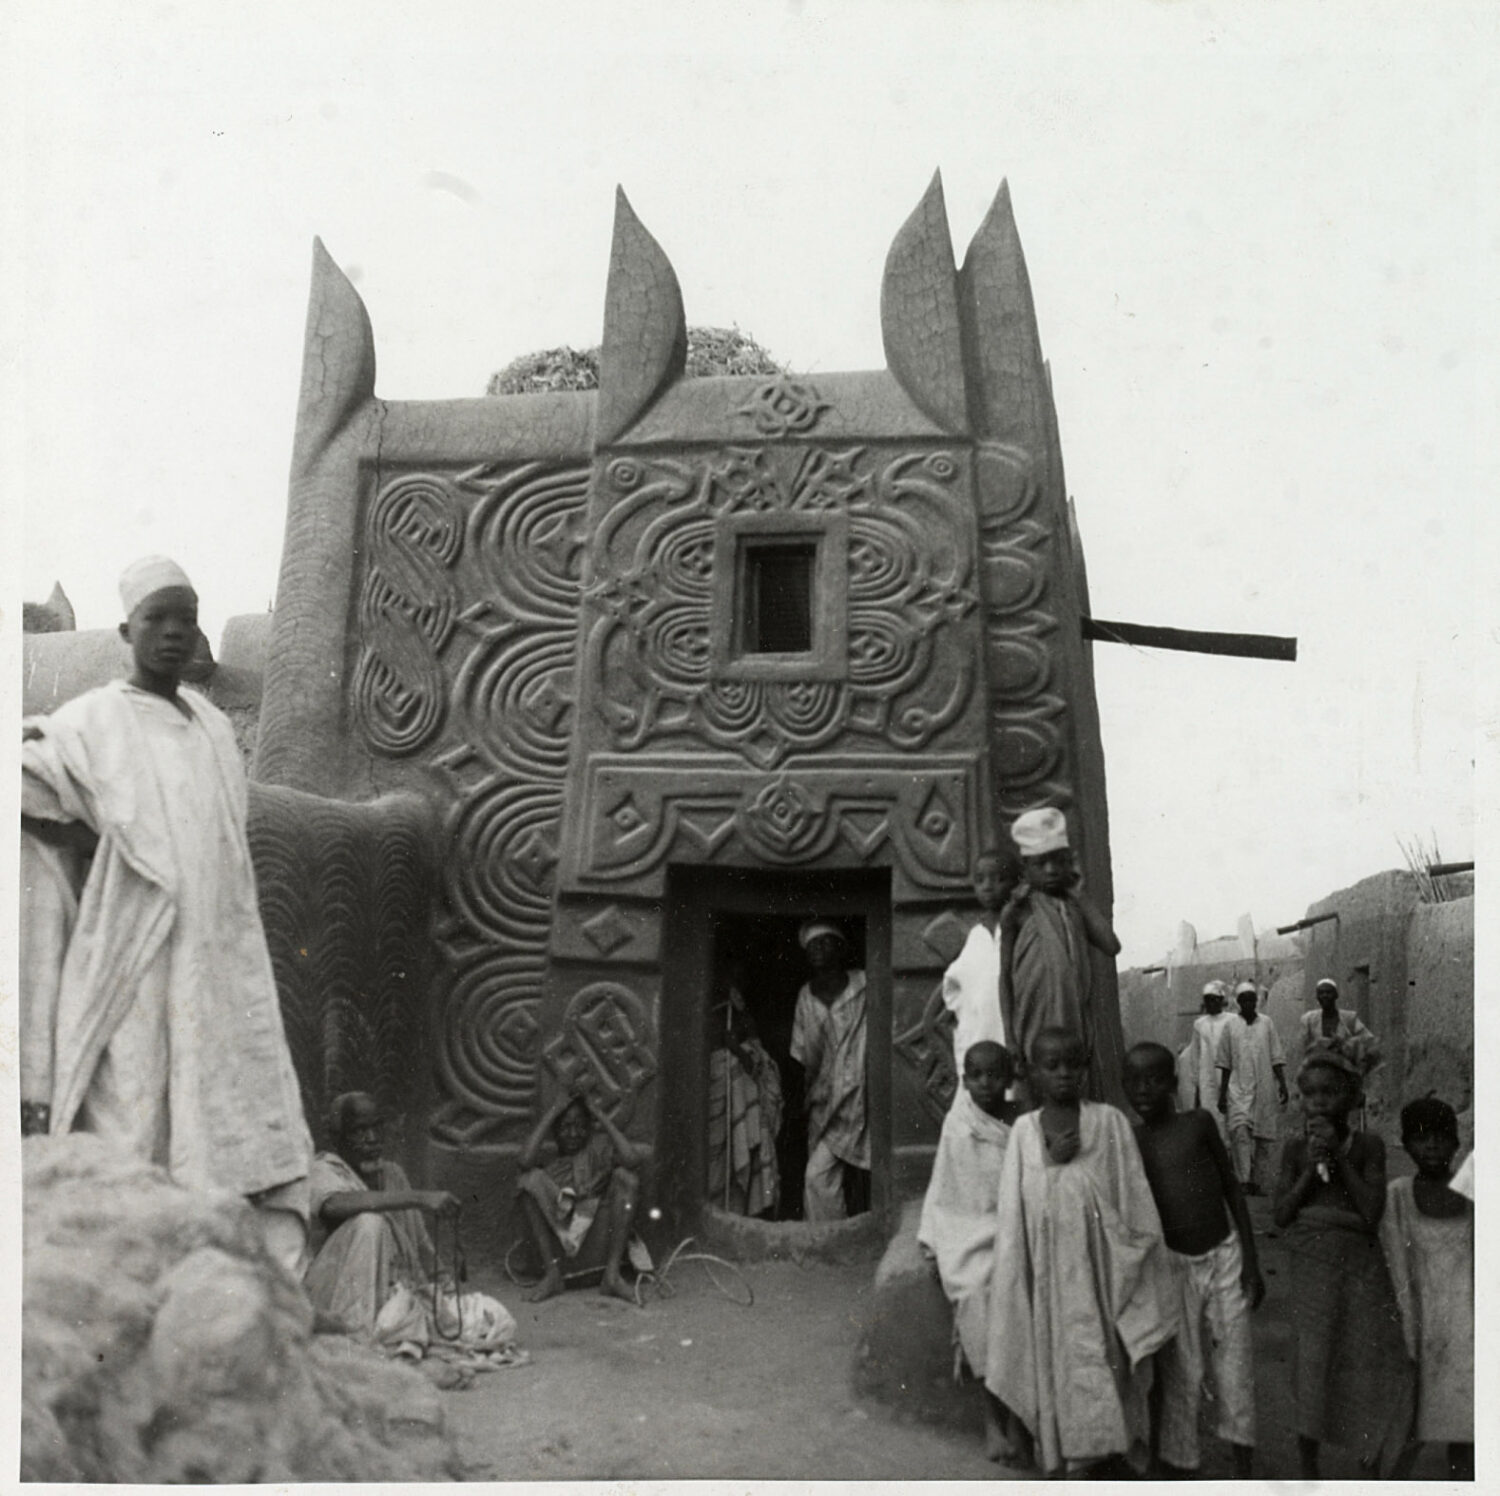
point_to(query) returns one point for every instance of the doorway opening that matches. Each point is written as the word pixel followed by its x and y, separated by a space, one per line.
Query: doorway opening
pixel 732 968
pixel 759 969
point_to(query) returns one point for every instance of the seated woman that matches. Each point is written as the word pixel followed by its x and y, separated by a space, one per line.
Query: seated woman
pixel 744 1110
pixel 368 1230
pixel 583 1197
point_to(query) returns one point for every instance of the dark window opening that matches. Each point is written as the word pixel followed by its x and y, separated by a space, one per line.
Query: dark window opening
pixel 776 598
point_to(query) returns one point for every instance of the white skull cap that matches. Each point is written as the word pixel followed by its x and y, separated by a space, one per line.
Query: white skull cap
pixel 814 928
pixel 150 574
pixel 1039 831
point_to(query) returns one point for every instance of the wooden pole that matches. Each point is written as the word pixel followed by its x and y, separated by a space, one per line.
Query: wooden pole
pixel 1191 641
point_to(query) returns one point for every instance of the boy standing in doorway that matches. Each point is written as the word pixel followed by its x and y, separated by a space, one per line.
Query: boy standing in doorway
pixel 828 1041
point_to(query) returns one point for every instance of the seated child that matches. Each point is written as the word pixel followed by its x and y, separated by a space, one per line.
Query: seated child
pixel 1428 1235
pixel 1352 1379
pixel 1211 1249
pixel 1077 1297
pixel 959 1217
pixel 583 1197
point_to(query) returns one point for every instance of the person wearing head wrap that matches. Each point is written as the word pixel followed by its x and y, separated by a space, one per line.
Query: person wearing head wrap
pixel 828 1041
pixel 1198 1073
pixel 1352 1381
pixel 149 1009
pixel 1051 927
pixel 1330 1024
pixel 1252 1087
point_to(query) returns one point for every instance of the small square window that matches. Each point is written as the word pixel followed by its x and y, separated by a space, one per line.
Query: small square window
pixel 775 612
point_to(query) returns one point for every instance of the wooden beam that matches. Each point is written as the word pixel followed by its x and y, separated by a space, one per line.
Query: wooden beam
pixel 1192 641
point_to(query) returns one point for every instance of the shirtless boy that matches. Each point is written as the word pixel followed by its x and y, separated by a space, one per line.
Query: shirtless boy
pixel 1211 1248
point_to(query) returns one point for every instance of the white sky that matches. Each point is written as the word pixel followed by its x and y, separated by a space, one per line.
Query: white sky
pixel 1261 241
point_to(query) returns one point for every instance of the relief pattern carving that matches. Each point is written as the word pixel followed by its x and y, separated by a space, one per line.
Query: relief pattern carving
pixel 927 1048
pixel 1028 715
pixel 637 815
pixel 469 617
pixel 650 609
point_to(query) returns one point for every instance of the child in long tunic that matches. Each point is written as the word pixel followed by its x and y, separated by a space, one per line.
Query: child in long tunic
pixel 1078 1300
pixel 1352 1377
pixel 959 1217
pixel 1428 1236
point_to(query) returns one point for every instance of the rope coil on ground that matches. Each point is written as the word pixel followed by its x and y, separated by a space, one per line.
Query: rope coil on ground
pixel 724 1275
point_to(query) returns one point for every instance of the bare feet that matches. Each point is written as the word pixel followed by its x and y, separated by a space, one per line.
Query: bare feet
pixel 612 1283
pixel 550 1286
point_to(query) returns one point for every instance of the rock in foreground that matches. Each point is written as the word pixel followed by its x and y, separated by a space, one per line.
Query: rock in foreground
pixel 161 1344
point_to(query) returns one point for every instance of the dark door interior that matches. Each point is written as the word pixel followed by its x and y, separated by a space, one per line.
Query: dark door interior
pixel 721 919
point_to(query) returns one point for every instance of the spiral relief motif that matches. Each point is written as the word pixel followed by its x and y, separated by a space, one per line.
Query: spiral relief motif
pixel 468 618
pixel 907 569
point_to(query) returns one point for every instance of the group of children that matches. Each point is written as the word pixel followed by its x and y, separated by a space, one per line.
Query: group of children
pixel 1102 1274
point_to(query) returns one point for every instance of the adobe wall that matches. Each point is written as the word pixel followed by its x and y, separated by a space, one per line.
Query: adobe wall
pixel 57 666
pixel 1406 967
pixel 1365 951
pixel 1440 1012
pixel 1161 1006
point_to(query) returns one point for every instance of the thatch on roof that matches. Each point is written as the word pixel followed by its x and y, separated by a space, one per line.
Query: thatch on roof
pixel 710 350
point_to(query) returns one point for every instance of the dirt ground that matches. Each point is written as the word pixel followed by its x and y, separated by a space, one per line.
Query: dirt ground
pixel 696 1387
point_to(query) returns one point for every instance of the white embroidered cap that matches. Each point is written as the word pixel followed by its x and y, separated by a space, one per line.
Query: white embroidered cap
pixel 150 574
pixel 814 928
pixel 1037 832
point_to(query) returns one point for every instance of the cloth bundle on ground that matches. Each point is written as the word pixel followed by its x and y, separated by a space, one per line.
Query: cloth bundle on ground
pixel 959 1220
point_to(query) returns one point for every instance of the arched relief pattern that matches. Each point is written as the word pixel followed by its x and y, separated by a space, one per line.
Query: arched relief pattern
pixel 469 614
pixel 344 892
pixel 650 620
pixel 1028 713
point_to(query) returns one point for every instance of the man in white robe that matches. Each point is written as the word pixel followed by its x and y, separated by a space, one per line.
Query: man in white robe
pixel 1253 1087
pixel 828 1041
pixel 1200 1070
pixel 149 1009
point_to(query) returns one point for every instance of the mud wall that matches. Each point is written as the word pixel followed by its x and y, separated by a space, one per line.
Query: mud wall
pixel 1439 1054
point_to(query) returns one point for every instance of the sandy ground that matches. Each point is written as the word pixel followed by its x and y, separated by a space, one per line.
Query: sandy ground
pixel 696 1387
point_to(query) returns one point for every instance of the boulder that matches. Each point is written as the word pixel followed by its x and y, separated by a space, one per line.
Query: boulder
pixel 904 1358
pixel 160 1343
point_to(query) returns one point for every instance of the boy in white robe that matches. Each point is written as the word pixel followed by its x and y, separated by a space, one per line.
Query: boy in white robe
pixel 149 1011
pixel 959 1218
pixel 972 982
pixel 1079 1298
